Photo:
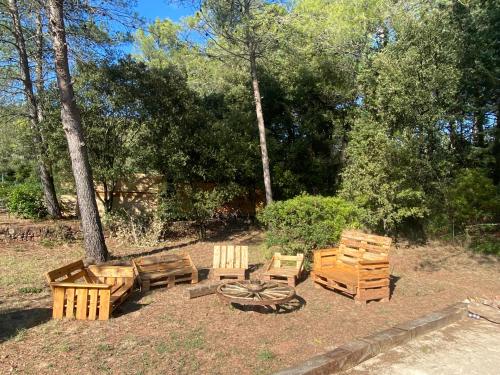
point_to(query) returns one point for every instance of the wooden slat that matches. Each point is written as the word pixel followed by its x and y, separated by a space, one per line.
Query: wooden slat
pixel 223 256
pixel 104 304
pixel 237 257
pixel 82 285
pixel 81 303
pixel 244 257
pixel 53 275
pixel 361 236
pixel 94 293
pixel 230 257
pixel 112 271
pixel 70 302
pixel 217 252
pixel 58 305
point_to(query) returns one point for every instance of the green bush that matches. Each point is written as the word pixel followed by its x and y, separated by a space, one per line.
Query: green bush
pixel 473 199
pixel 306 222
pixel 26 200
pixel 4 194
pixel 189 203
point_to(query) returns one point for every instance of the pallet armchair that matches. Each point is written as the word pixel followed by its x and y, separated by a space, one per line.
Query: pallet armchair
pixel 89 293
pixel 284 268
pixel 230 262
pixel 359 267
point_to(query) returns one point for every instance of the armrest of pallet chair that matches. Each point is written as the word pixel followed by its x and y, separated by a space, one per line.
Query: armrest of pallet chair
pixel 137 275
pixel 324 258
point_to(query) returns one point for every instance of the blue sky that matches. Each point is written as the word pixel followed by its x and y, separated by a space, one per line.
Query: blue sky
pixel 152 9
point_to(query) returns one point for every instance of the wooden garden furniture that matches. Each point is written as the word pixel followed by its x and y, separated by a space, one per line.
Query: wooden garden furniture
pixel 165 270
pixel 89 293
pixel 359 267
pixel 230 262
pixel 287 268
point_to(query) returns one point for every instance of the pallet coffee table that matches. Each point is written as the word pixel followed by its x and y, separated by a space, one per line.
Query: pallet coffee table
pixel 255 293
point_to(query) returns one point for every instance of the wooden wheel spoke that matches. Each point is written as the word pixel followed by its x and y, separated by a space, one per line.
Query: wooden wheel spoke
pixel 251 293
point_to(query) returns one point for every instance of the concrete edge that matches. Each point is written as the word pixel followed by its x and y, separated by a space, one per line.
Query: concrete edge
pixel 357 351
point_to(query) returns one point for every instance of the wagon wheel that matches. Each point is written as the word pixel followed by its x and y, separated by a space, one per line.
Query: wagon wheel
pixel 255 293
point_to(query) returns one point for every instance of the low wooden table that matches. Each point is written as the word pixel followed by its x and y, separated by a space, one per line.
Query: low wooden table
pixel 255 293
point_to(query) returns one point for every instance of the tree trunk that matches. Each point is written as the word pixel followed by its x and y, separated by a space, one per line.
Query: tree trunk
pixel 43 166
pixel 95 246
pixel 496 143
pixel 262 129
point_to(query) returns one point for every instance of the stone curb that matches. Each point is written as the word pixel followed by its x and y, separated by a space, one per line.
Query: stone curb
pixel 353 353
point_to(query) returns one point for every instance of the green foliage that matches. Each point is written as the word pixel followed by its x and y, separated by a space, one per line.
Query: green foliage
pixel 473 199
pixel 192 203
pixel 484 238
pixel 376 179
pixel 307 222
pixel 26 200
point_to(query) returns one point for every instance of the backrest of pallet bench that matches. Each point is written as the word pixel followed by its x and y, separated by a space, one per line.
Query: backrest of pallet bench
pixel 112 275
pixel 356 245
pixel 163 263
pixel 69 273
pixel 229 256
pixel 288 261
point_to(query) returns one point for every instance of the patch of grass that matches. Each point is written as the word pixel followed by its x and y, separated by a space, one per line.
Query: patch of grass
pixel 265 355
pixel 47 243
pixel 65 347
pixel 163 348
pixel 20 334
pixel 194 340
pixel 104 347
pixel 30 290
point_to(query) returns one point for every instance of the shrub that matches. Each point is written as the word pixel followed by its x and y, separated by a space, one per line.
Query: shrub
pixel 26 200
pixel 194 204
pixel 473 199
pixel 306 222
pixel 4 194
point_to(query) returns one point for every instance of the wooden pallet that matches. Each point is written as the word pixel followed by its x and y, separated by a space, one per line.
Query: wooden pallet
pixel 359 267
pixel 230 262
pixel 165 270
pixel 284 268
pixel 89 293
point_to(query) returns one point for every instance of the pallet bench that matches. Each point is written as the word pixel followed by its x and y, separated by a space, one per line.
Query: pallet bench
pixel 359 267
pixel 284 268
pixel 165 270
pixel 89 293
pixel 230 262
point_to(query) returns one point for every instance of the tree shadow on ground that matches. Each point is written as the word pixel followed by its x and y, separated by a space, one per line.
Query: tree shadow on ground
pixel 158 250
pixel 286 308
pixel 14 322
pixel 392 284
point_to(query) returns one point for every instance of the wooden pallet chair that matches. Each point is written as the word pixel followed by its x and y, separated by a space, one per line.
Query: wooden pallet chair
pixel 287 268
pixel 230 262
pixel 89 293
pixel 165 270
pixel 359 267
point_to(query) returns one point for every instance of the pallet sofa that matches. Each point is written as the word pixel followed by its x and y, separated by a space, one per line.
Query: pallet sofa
pixel 359 267
pixel 89 293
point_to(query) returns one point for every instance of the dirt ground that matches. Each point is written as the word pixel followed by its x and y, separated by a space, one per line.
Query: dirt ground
pixel 163 333
pixel 469 347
